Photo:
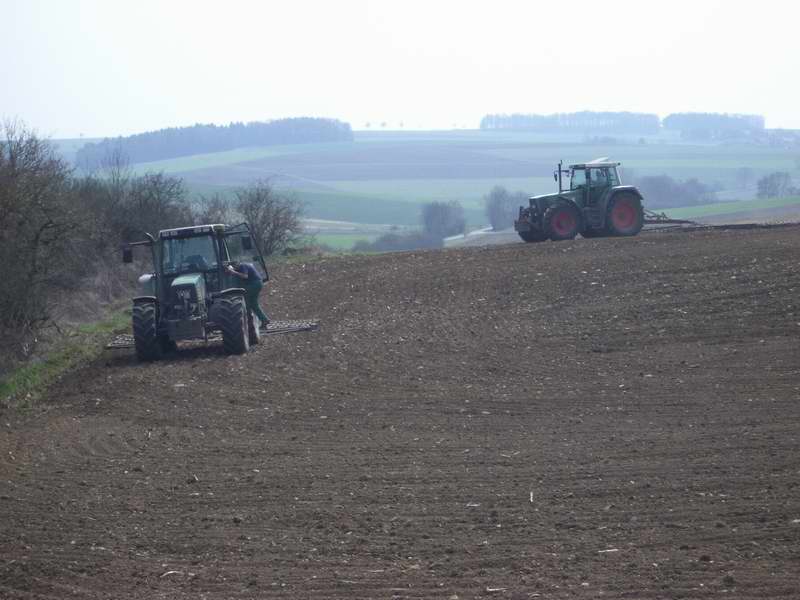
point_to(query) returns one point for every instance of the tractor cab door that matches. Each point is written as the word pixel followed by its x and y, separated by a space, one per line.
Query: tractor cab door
pixel 599 184
pixel 578 184
pixel 242 247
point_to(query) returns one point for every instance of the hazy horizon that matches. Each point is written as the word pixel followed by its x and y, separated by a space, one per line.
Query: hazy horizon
pixel 101 69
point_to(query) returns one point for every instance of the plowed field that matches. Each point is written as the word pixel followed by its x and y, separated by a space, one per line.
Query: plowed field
pixel 610 417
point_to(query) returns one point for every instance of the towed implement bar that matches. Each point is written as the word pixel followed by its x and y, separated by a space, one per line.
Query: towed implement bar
pixel 125 340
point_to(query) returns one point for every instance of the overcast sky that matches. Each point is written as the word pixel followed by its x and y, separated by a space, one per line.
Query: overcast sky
pixel 107 67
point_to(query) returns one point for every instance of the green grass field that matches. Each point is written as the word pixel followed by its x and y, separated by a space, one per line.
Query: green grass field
pixel 343 241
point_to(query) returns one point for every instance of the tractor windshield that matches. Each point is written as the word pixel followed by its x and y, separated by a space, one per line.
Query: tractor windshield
pixel 190 254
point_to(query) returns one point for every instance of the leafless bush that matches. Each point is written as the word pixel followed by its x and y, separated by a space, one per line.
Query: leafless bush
pixel 38 223
pixel 502 206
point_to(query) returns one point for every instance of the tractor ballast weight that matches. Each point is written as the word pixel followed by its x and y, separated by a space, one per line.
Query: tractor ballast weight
pixel 190 293
pixel 595 205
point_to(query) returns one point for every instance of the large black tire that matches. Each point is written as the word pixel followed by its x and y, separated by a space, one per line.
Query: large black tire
pixel 254 329
pixel 624 215
pixel 145 331
pixel 562 222
pixel 232 317
pixel 532 236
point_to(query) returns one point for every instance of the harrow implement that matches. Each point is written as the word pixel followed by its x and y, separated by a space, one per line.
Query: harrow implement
pixel 125 340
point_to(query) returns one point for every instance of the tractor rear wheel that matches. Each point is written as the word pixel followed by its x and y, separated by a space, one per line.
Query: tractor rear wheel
pixel 562 222
pixel 625 215
pixel 532 236
pixel 145 331
pixel 232 317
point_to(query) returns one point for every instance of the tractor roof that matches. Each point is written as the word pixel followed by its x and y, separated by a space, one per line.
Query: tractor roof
pixel 596 164
pixel 191 231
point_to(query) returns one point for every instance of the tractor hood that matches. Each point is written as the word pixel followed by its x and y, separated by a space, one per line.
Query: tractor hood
pixel 550 197
pixel 195 279
pixel 192 281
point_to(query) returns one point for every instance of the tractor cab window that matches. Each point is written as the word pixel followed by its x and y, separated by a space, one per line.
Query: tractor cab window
pixel 577 179
pixel 599 177
pixel 186 255
pixel 613 177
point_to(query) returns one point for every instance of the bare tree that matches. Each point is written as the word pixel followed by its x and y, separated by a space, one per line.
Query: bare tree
pixel 776 185
pixel 38 220
pixel 274 217
pixel 216 208
pixel 443 219
pixel 502 206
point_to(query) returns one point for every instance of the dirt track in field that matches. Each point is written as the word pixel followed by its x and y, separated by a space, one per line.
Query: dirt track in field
pixel 615 417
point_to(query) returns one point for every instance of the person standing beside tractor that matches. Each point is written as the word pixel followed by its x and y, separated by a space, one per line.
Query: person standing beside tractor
pixel 252 285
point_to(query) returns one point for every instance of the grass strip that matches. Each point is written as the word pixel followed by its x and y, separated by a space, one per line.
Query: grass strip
pixel 78 346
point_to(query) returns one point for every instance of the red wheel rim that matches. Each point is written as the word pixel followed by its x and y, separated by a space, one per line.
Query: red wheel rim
pixel 623 215
pixel 563 222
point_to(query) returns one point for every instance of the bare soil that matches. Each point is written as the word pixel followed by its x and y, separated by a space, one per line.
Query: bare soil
pixel 610 417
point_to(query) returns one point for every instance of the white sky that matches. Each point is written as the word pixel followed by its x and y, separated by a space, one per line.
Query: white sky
pixel 111 67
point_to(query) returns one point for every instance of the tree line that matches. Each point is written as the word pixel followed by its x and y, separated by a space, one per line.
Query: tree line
pixel 691 125
pixel 61 232
pixel 608 122
pixel 198 139
pixel 713 126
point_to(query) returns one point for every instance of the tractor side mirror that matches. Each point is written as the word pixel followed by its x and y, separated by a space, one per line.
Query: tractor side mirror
pixel 127 255
pixel 555 176
pixel 247 242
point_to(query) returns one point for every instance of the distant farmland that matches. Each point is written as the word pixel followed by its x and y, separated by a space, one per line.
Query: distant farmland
pixel 383 177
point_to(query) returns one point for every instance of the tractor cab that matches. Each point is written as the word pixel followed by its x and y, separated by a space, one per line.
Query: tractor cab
pixel 590 182
pixel 205 251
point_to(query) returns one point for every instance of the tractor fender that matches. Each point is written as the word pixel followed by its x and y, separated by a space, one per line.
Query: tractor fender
pixel 228 292
pixel 631 189
pixel 145 299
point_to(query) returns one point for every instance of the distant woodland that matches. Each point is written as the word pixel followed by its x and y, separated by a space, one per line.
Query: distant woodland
pixel 712 126
pixel 579 122
pixel 200 139
pixel 699 126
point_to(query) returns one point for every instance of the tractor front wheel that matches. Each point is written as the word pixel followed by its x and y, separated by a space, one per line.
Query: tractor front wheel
pixel 562 222
pixel 145 331
pixel 232 317
pixel 625 215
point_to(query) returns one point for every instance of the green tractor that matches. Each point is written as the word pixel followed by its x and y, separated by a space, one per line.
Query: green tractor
pixel 190 293
pixel 595 205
